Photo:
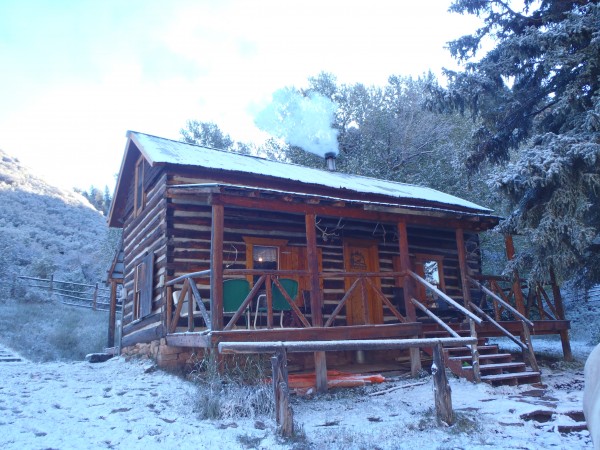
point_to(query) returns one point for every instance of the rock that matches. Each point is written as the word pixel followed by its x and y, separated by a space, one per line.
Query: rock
pixel 97 357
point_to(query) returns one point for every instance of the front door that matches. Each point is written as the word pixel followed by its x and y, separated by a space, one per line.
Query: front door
pixel 364 305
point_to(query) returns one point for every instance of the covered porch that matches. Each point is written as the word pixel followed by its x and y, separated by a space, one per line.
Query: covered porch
pixel 362 271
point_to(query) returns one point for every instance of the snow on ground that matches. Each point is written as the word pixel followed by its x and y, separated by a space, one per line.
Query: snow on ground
pixel 123 404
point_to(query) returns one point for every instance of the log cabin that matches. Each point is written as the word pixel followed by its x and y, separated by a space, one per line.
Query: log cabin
pixel 221 247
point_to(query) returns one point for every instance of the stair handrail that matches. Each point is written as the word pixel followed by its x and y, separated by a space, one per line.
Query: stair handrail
pixel 527 346
pixel 504 331
pixel 442 296
pixel 435 318
pixel 508 306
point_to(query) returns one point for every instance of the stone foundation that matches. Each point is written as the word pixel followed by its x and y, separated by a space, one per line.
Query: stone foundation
pixel 166 357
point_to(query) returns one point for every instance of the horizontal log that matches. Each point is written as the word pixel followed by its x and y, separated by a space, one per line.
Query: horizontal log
pixel 306 334
pixel 313 346
pixel 189 340
pixel 143 336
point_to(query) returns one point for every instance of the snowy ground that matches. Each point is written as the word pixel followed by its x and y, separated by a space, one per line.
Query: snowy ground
pixel 122 404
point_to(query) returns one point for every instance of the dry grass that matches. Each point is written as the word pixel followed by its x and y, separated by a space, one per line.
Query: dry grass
pixel 239 389
pixel 48 331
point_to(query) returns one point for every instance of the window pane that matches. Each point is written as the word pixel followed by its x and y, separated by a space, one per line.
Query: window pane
pixel 262 254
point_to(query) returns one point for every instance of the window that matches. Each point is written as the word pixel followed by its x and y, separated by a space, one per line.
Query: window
pixel 139 195
pixel 431 268
pixel 263 253
pixel 143 287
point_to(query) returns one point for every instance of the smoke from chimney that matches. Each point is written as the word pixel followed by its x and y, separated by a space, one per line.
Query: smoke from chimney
pixel 301 121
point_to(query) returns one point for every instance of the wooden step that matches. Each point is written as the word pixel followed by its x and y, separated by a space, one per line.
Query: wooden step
pixel 509 366
pixel 499 357
pixel 483 350
pixel 512 378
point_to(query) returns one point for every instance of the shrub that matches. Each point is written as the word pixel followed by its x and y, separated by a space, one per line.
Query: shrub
pixel 239 389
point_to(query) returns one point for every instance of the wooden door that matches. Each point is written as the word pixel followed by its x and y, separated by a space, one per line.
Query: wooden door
pixel 361 255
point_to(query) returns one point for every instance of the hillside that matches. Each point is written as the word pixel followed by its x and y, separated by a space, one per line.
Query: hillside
pixel 47 231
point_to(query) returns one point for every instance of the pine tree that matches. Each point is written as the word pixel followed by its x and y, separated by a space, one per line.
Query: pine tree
pixel 536 98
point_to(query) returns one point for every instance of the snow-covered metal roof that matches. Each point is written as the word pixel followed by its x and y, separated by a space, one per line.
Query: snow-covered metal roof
pixel 165 151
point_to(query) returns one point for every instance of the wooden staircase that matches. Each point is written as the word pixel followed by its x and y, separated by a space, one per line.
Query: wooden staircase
pixel 495 368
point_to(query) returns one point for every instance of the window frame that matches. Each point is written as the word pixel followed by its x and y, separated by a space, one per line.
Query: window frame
pixel 139 195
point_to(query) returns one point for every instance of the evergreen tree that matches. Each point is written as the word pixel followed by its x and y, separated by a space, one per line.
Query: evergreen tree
pixel 536 98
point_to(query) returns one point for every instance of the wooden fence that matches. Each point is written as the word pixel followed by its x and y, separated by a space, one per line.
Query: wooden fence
pixel 70 293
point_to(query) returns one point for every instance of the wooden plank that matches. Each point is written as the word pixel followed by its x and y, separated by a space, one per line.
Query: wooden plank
pixel 320 333
pixel 216 255
pixel 364 344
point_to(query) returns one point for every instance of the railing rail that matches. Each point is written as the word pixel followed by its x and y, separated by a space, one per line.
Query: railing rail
pixel 442 296
pixel 267 278
pixel 525 344
pixel 82 295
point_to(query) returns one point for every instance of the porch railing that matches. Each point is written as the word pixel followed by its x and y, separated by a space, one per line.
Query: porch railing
pixel 473 319
pixel 501 305
pixel 190 295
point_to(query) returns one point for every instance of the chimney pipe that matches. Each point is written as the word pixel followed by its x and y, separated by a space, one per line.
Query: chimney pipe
pixel 330 158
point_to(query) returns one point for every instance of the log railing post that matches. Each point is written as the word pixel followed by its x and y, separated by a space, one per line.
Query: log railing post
pixel 441 388
pixel 112 314
pixel 409 290
pixel 95 298
pixel 283 412
pixel 560 315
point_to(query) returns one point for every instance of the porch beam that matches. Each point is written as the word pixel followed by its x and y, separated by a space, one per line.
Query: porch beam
pixel 348 211
pixel 216 264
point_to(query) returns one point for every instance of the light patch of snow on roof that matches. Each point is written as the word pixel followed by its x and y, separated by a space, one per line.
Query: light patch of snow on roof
pixel 160 150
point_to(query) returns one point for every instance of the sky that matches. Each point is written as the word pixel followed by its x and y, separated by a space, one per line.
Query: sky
pixel 75 75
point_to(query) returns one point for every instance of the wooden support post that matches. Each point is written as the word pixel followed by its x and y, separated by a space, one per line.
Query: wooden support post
pixel 269 289
pixel 51 283
pixel 441 388
pixel 216 265
pixel 95 298
pixel 313 268
pixel 409 293
pixel 560 315
pixel 169 308
pixel 190 305
pixel 315 297
pixel 466 288
pixel 510 255
pixel 284 415
pixel 112 314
